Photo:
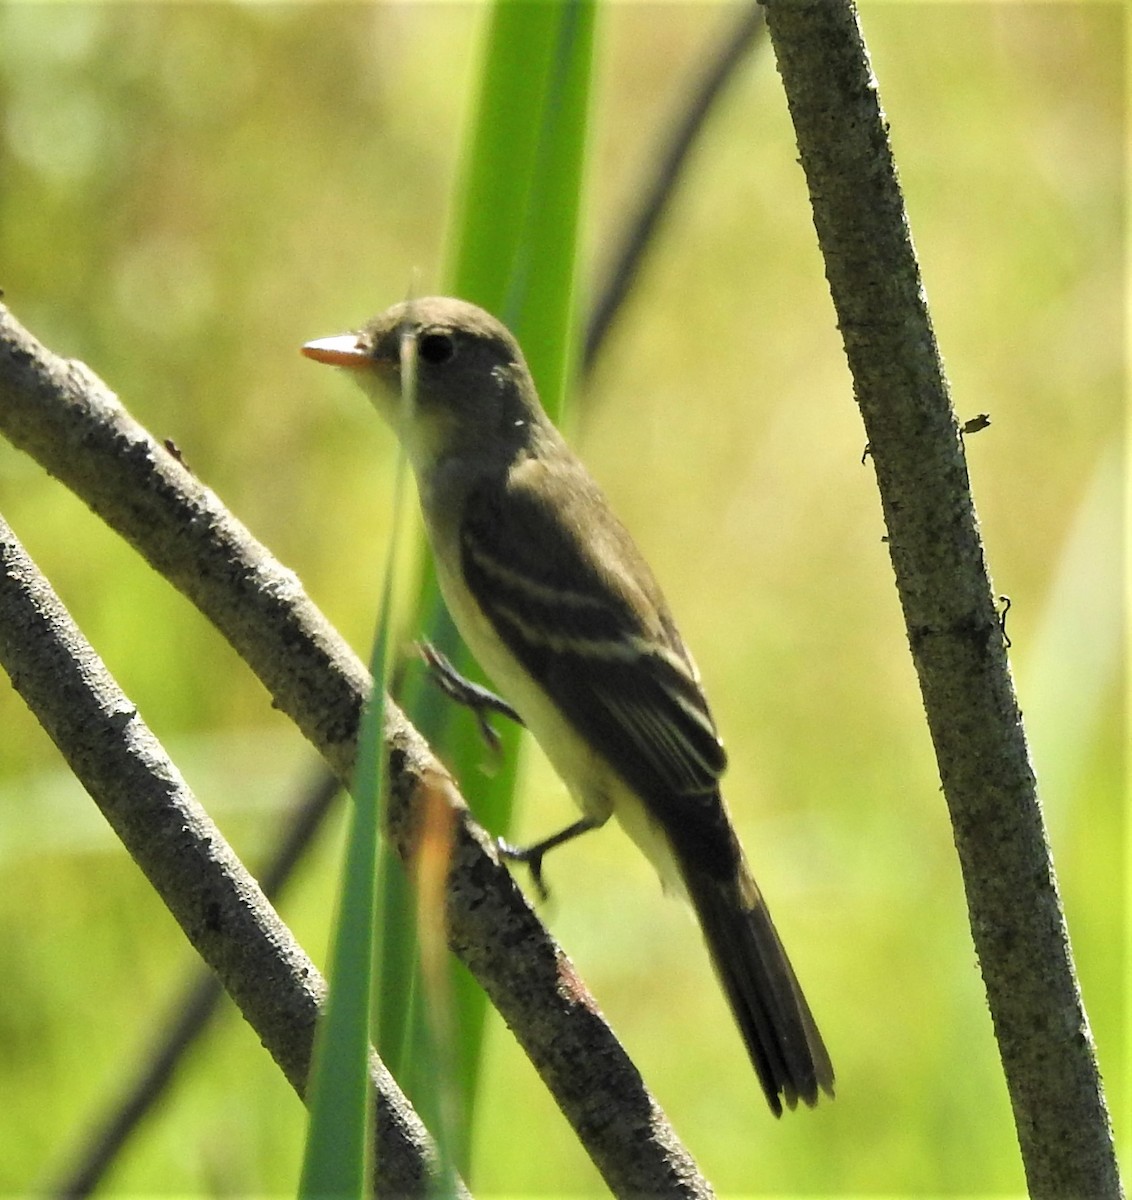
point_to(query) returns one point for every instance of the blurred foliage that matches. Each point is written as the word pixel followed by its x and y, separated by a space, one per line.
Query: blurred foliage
pixel 191 191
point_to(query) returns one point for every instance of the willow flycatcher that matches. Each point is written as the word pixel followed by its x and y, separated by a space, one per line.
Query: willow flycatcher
pixel 561 611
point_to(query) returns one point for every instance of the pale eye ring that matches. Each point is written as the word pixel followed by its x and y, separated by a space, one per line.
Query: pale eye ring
pixel 436 348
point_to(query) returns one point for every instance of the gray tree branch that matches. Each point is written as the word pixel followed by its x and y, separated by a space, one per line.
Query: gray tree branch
pixel 60 413
pixel 1016 916
pixel 218 905
pixel 188 1017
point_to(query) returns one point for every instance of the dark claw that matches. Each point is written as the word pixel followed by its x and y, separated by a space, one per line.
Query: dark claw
pixel 487 732
pixel 531 857
pixel 480 700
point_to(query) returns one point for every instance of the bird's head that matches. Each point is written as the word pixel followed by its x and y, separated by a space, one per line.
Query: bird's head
pixel 447 376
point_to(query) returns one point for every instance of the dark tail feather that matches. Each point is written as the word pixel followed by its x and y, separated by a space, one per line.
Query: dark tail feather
pixel 772 1014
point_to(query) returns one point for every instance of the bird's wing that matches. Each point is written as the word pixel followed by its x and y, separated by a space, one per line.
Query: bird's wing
pixel 565 588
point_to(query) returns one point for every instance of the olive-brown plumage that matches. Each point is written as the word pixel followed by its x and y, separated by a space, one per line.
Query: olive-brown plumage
pixel 556 603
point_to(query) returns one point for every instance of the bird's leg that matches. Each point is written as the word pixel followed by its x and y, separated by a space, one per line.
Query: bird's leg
pixel 471 695
pixel 533 855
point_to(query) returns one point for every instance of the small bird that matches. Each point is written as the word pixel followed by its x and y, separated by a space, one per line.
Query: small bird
pixel 561 611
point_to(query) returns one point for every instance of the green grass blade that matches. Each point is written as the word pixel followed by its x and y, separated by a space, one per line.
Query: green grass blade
pixel 336 1160
pixel 513 250
pixel 514 243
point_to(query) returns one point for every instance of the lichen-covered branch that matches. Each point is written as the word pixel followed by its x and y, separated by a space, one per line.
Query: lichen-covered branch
pixel 953 629
pixel 217 904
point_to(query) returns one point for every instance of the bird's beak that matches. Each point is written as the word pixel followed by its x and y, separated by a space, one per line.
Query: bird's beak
pixel 344 350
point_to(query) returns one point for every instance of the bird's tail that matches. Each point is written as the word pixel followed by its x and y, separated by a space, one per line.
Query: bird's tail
pixel 782 1039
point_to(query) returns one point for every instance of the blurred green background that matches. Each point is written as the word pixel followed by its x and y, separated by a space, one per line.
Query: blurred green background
pixel 190 191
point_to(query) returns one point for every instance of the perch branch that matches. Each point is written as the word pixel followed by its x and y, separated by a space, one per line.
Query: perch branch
pixel 58 411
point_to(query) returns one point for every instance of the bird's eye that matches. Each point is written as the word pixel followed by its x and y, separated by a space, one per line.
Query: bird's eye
pixel 436 348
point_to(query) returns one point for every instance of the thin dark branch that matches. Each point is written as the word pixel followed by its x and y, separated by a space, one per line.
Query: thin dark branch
pixel 720 64
pixel 48 407
pixel 949 608
pixel 102 1144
